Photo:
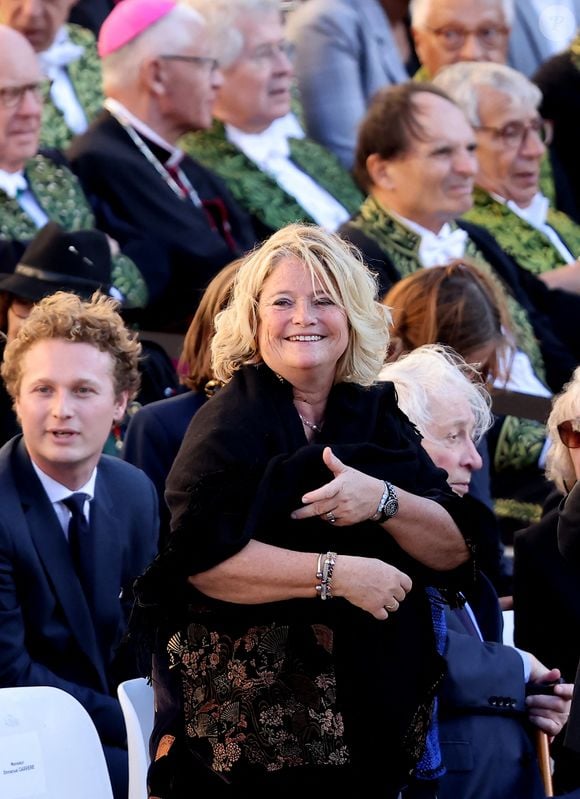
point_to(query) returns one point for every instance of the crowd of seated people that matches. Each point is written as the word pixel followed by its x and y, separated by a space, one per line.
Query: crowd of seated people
pixel 147 148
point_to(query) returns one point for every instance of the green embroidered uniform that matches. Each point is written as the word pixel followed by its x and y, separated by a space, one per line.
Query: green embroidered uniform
pixel 85 76
pixel 531 248
pixel 258 192
pixel 61 197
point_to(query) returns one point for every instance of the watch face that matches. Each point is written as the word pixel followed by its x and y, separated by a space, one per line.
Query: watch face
pixel 391 507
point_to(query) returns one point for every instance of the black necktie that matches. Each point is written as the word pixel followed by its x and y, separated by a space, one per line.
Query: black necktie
pixel 78 531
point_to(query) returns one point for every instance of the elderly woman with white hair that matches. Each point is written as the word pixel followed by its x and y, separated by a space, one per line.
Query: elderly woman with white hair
pixel 483 711
pixel 502 106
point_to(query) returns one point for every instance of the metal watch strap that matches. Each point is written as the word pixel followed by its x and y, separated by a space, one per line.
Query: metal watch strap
pixel 388 504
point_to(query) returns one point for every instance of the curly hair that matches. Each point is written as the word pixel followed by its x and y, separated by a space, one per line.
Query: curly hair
pixel 68 317
pixel 335 266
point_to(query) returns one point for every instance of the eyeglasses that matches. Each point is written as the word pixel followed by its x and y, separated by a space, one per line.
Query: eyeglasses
pixel 514 134
pixel 488 36
pixel 569 432
pixel 12 96
pixel 267 53
pixel 212 64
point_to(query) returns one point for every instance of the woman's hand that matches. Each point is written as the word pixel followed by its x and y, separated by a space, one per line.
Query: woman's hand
pixel 370 584
pixel 350 497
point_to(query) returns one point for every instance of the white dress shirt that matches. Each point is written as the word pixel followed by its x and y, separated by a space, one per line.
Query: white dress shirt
pixel 270 152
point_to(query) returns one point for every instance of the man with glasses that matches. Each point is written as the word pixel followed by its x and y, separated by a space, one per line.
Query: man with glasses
pixel 502 106
pixel 448 31
pixel 257 144
pixel 36 187
pixel 68 59
pixel 160 78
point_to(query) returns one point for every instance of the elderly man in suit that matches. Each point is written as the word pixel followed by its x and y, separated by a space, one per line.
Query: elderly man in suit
pixel 68 58
pixel 160 79
pixel 76 527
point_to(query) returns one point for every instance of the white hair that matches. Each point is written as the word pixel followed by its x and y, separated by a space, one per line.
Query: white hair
pixel 463 83
pixel 427 377
pixel 223 15
pixel 419 12
pixel 172 32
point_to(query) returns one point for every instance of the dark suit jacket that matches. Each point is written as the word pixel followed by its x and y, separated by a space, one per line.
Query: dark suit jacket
pixel 126 191
pixel 153 438
pixel 91 13
pixel 569 545
pixel 485 743
pixel 50 633
pixel 545 628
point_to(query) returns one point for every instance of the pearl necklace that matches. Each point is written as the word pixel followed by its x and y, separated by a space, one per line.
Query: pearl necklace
pixel 317 428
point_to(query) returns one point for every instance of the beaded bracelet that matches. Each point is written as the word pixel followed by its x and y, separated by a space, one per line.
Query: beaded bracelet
pixel 324 570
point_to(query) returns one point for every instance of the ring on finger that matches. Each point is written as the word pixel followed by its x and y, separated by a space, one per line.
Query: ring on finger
pixel 330 517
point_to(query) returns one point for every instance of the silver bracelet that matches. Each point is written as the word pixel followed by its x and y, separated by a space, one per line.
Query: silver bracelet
pixel 324 587
pixel 388 504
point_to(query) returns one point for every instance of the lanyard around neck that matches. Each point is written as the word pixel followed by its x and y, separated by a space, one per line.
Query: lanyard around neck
pixel 185 190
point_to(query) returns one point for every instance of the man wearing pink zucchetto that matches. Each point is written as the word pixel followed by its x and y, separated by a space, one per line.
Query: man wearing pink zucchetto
pixel 160 77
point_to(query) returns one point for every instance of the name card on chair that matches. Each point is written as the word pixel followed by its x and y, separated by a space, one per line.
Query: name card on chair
pixel 21 766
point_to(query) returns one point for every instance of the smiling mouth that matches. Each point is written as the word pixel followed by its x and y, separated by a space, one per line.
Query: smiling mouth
pixel 305 338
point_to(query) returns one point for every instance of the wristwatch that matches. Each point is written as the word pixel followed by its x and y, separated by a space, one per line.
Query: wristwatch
pixel 388 504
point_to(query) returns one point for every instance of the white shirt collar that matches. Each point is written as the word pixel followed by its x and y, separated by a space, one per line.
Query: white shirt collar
pixel 56 491
pixel 12 182
pixel 260 147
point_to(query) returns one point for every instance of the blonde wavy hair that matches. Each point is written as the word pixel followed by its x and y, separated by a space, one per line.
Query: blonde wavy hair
pixel 338 269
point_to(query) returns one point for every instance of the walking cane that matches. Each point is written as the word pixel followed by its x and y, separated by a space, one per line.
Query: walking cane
pixel 543 753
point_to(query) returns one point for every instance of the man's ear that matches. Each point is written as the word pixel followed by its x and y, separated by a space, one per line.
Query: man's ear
pixel 379 170
pixel 152 74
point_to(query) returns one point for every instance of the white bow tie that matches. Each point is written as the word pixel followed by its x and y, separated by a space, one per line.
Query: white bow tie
pixel 12 182
pixel 61 53
pixel 435 250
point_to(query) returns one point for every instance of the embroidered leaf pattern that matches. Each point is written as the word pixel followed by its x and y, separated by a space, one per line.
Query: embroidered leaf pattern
pixel 258 192
pixel 529 247
pixel 85 75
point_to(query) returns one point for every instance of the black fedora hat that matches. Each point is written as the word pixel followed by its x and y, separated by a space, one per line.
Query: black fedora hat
pixel 56 260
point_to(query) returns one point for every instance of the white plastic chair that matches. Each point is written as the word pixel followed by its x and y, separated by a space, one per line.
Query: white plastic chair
pixel 136 698
pixel 508 627
pixel 49 747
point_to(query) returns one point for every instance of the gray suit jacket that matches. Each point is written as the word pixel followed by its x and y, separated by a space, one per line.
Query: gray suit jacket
pixel 345 52
pixel 529 45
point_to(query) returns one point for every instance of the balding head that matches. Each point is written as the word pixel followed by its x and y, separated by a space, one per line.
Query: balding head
pixel 20 103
